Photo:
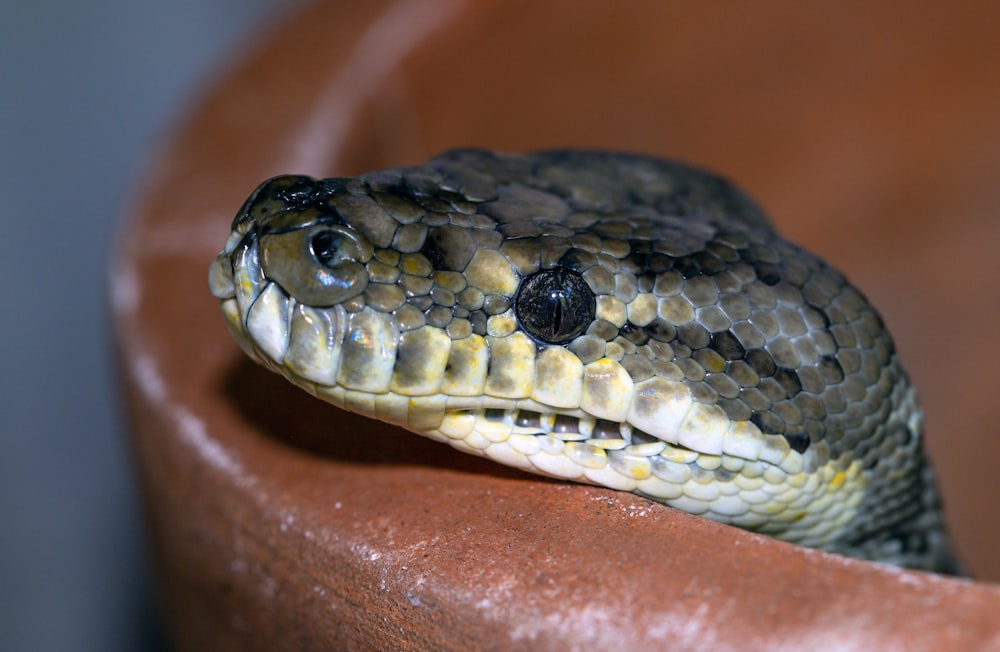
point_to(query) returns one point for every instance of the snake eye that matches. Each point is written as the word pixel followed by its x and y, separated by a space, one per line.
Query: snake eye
pixel 554 305
pixel 319 265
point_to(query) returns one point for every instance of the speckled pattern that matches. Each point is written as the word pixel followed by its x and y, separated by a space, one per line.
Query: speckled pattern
pixel 605 318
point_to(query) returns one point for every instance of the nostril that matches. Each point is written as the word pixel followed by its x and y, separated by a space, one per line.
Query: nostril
pixel 319 265
pixel 327 247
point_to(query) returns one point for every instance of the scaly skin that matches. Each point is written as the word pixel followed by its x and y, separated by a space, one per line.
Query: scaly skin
pixel 604 318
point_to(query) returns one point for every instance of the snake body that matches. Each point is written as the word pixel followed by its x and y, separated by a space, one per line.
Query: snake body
pixel 605 318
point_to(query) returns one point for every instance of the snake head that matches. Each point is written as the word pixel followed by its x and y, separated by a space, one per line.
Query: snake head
pixel 605 318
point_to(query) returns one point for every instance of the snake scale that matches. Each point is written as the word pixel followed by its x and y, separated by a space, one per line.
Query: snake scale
pixel 606 318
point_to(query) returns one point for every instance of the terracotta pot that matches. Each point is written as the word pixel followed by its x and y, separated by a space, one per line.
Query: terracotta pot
pixel 282 523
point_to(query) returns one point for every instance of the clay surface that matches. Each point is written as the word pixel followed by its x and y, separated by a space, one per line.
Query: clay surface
pixel 282 523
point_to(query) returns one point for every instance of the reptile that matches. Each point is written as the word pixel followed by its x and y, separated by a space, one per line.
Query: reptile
pixel 606 318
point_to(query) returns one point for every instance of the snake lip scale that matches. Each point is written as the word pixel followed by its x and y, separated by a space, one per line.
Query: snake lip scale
pixel 606 318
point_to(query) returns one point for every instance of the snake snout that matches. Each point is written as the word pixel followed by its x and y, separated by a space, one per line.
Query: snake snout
pixel 276 196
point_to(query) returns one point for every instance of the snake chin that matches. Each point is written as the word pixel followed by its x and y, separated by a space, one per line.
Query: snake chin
pixel 804 498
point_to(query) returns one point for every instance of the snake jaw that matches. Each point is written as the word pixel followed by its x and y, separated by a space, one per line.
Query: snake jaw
pixel 321 349
pixel 363 352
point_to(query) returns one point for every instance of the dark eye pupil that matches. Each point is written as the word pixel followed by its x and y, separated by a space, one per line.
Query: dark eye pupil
pixel 554 305
pixel 325 246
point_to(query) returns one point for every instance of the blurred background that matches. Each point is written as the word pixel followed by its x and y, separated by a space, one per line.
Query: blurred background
pixel 85 91
pixel 869 133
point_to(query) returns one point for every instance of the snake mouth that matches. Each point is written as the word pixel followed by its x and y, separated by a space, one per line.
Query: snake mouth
pixel 497 424
pixel 564 445
pixel 594 443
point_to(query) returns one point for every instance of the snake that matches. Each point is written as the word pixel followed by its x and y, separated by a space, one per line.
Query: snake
pixel 607 318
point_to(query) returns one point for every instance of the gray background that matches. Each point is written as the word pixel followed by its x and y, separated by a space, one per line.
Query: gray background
pixel 85 90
